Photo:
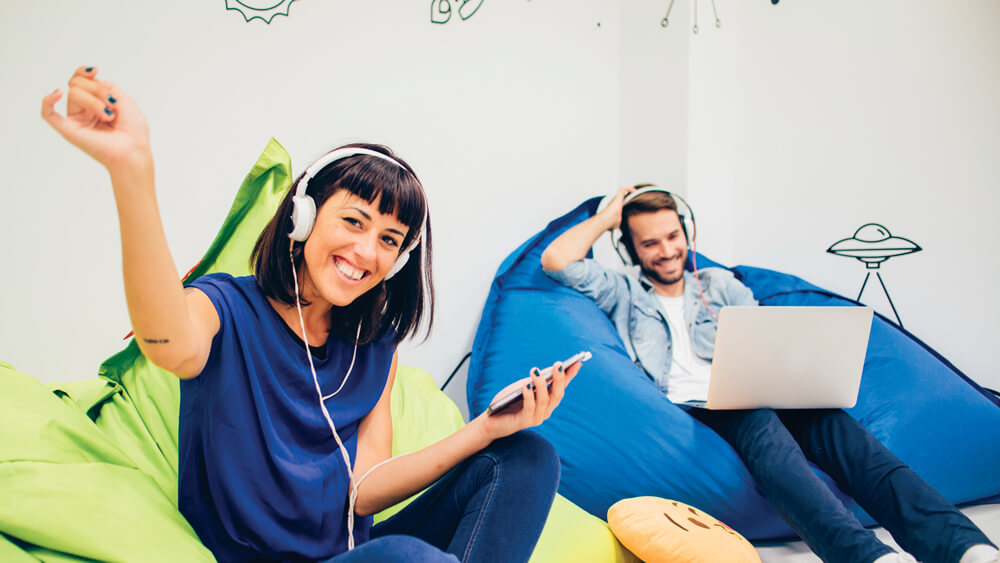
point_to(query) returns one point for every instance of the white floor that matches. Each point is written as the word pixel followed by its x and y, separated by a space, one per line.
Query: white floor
pixel 987 517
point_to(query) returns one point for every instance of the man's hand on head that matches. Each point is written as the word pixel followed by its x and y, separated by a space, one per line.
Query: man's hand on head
pixel 612 214
pixel 574 244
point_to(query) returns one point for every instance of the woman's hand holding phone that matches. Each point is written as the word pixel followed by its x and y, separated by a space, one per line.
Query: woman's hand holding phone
pixel 509 398
pixel 537 400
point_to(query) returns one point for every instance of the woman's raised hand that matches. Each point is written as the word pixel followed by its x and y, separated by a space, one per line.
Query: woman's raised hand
pixel 539 401
pixel 100 120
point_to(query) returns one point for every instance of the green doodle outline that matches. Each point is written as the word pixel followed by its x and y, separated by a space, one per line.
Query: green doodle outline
pixel 448 19
pixel 464 2
pixel 450 10
pixel 257 16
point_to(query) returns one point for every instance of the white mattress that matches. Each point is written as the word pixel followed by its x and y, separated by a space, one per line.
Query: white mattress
pixel 987 517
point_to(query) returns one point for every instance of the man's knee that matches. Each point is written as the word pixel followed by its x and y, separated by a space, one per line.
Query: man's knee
pixel 837 429
pixel 838 438
pixel 761 429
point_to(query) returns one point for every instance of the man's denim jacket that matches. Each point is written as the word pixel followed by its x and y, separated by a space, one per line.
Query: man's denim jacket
pixel 633 306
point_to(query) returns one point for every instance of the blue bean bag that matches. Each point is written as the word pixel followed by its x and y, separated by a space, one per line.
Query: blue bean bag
pixel 619 437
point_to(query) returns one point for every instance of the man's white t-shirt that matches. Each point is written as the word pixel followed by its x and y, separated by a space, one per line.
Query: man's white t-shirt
pixel 689 374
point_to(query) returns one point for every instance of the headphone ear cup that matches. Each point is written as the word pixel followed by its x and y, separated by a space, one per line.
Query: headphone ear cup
pixel 625 252
pixel 401 261
pixel 684 229
pixel 303 217
pixel 633 258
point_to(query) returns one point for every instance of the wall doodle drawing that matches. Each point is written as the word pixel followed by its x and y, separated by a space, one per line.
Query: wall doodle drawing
pixel 694 4
pixel 260 9
pixel 873 244
pixel 441 9
pixel 694 7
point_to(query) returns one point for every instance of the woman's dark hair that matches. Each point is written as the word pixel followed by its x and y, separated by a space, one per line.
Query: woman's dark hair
pixel 400 302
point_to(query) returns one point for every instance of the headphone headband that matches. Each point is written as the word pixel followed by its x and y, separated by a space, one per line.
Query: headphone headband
pixel 691 240
pixel 616 234
pixel 649 189
pixel 334 156
pixel 304 206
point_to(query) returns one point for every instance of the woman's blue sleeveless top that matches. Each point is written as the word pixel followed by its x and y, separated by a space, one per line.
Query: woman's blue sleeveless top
pixel 260 474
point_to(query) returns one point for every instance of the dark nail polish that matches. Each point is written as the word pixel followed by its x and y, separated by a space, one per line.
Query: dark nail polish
pixel 112 99
pixel 88 69
pixel 108 111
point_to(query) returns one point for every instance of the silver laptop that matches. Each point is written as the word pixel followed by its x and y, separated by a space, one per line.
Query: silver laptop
pixel 788 357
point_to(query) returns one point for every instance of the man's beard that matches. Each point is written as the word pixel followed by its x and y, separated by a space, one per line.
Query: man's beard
pixel 654 275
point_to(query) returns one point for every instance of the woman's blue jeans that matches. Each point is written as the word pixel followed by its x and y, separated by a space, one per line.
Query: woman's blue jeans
pixel 775 447
pixel 491 507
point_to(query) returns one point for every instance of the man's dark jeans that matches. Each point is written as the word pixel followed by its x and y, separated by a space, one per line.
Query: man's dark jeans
pixel 775 447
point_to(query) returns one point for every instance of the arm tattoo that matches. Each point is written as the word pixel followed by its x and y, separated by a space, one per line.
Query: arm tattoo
pixel 165 340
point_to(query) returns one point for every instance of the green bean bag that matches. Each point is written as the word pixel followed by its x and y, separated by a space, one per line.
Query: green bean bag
pixel 88 470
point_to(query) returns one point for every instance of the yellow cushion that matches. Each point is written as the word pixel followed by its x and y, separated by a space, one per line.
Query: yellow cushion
pixel 661 531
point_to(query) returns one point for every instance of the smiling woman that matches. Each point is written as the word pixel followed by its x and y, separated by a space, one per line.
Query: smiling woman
pixel 371 212
pixel 287 374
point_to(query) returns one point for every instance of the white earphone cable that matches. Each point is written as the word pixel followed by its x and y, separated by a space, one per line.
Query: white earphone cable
pixel 357 484
pixel 322 404
pixel 351 367
pixel 295 235
pixel 354 484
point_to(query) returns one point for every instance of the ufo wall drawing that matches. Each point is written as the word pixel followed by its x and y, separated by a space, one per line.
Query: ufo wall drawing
pixel 873 244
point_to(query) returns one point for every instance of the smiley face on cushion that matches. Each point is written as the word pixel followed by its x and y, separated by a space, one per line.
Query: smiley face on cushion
pixel 661 531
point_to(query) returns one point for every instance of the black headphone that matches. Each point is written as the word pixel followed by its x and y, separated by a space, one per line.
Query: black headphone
pixel 624 247
pixel 304 206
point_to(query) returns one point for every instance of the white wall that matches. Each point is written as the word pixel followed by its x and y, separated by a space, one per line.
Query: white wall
pixel 653 96
pixel 788 128
pixel 809 119
pixel 509 117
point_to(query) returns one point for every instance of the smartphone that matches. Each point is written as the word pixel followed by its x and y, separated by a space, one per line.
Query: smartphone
pixel 514 396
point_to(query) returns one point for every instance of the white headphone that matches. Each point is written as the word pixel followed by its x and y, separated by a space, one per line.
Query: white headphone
pixel 304 206
pixel 689 234
pixel 686 215
pixel 303 220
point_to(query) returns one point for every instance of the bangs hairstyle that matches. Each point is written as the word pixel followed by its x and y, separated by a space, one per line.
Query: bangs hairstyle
pixel 401 302
pixel 649 202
